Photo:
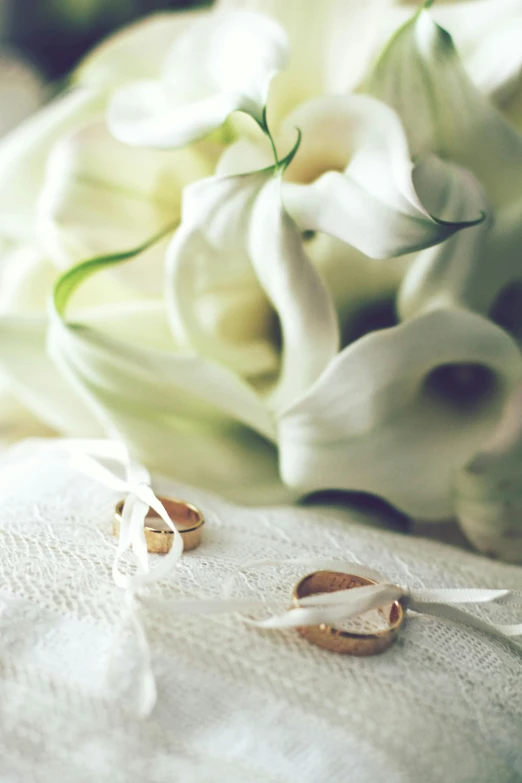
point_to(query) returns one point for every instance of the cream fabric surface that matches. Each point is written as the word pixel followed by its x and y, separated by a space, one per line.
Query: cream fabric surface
pixel 235 704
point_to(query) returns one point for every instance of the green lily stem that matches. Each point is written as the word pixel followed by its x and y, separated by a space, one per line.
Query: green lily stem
pixel 263 124
pixel 67 284
pixel 283 163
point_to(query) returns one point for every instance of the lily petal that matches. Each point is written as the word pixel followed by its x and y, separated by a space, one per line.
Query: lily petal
pixel 215 302
pixel 487 34
pixel 221 64
pixel 447 275
pixel 244 156
pixel 420 75
pixel 23 157
pixel 373 205
pixel 137 51
pixel 151 382
pixel 455 273
pixel 180 414
pixel 401 392
pixel 26 280
pixel 332 42
pixel 357 284
pixel 478 269
pixel 309 325
pixel 99 196
pixel 23 359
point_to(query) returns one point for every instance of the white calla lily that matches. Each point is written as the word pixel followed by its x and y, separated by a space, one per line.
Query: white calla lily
pixel 332 43
pixel 221 64
pixel 136 52
pixel 479 269
pixel 237 238
pixel 176 410
pixel 400 410
pixel 474 268
pixel 487 34
pixel 210 279
pixel 371 202
pixel 309 324
pixel 353 178
pixel 99 196
pixel 449 116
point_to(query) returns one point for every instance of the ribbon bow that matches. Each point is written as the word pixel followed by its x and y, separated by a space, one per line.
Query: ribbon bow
pixel 139 497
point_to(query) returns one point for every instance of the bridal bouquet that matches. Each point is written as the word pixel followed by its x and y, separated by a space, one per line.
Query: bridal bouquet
pixel 275 253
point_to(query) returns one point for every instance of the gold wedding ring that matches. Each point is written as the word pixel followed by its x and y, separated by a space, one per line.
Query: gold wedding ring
pixel 159 537
pixel 336 639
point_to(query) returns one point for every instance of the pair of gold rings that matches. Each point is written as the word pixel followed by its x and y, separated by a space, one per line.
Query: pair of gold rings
pixel 189 520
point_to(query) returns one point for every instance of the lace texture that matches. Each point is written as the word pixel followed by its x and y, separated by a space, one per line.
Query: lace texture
pixel 235 703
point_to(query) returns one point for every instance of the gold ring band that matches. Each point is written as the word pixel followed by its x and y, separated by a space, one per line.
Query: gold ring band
pixel 335 639
pixel 159 537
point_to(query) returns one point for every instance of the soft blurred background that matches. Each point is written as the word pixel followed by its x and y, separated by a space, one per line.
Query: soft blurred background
pixel 41 40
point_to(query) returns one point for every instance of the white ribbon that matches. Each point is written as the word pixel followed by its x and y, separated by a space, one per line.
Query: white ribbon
pixel 329 608
pixel 342 605
pixel 138 498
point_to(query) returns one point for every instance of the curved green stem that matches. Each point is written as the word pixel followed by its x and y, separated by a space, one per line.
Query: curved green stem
pixel 67 284
pixel 266 130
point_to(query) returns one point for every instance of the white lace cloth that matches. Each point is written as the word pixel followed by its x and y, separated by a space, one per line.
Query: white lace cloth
pixel 235 703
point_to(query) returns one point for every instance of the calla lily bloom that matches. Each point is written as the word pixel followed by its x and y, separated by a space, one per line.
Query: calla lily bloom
pixel 487 35
pixel 479 270
pixel 334 417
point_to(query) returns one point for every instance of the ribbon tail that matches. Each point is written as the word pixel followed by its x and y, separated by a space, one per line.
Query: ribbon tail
pixel 137 533
pixel 460 617
pixel 148 690
pixel 129 672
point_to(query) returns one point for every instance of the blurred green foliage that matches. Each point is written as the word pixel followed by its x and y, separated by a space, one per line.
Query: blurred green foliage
pixel 54 34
